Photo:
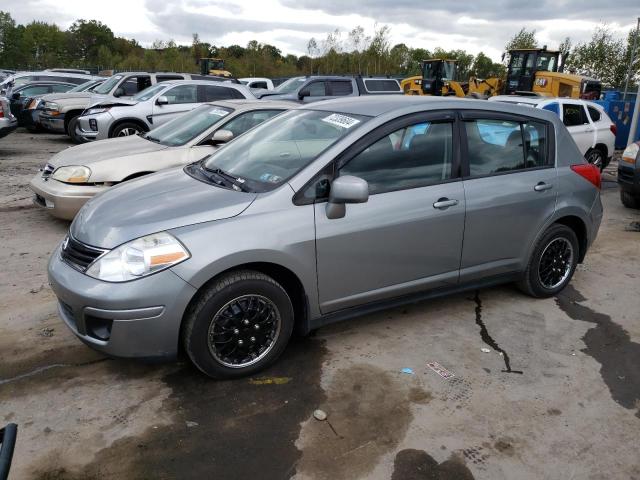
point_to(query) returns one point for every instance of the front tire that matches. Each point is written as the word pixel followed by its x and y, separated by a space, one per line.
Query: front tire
pixel 126 129
pixel 629 201
pixel 552 263
pixel 238 325
pixel 71 131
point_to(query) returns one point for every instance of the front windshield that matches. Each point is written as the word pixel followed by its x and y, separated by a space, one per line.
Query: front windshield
pixel 147 93
pixel 279 148
pixel 188 126
pixel 290 85
pixel 108 85
pixel 23 80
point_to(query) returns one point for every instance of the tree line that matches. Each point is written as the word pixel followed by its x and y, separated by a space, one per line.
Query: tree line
pixel 93 45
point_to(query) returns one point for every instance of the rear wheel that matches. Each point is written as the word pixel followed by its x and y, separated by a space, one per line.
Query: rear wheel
pixel 628 200
pixel 126 129
pixel 552 263
pixel 596 157
pixel 239 325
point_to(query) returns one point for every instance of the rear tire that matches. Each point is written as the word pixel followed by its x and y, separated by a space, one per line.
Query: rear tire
pixel 126 129
pixel 552 263
pixel 629 200
pixel 238 325
pixel 596 157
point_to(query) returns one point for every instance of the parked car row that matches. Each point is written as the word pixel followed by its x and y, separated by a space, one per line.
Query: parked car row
pixel 269 217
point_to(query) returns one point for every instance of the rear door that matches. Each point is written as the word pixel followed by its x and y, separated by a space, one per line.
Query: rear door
pixel 408 236
pixel 510 189
pixel 182 98
pixel 575 118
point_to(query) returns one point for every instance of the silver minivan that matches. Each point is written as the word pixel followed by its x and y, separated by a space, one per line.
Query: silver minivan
pixel 322 213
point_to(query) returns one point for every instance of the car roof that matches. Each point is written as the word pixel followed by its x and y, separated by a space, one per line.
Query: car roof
pixel 376 105
pixel 255 104
pixel 200 82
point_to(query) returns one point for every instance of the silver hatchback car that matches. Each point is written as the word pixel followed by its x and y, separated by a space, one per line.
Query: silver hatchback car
pixel 323 213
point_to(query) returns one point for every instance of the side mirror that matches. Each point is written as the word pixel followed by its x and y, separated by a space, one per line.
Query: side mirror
pixel 118 92
pixel 221 136
pixel 347 189
pixel 162 100
pixel 304 93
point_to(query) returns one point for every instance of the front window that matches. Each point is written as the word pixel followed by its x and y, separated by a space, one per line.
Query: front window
pixel 148 93
pixel 290 85
pixel 108 85
pixel 185 128
pixel 547 62
pixel 273 152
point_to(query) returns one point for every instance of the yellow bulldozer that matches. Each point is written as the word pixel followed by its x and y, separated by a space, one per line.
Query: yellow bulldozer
pixel 529 72
pixel 213 66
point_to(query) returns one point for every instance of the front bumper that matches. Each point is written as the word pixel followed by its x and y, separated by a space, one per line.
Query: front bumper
pixel 62 200
pixel 52 123
pixel 102 122
pixel 136 319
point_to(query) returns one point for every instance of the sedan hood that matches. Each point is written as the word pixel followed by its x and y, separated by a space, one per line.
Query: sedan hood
pixel 162 201
pixel 112 102
pixel 54 97
pixel 95 152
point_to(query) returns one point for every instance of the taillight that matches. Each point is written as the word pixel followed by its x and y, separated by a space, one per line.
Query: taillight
pixel 613 129
pixel 589 172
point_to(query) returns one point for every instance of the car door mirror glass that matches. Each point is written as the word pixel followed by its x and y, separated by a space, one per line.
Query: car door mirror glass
pixel 118 92
pixel 304 93
pixel 346 189
pixel 162 100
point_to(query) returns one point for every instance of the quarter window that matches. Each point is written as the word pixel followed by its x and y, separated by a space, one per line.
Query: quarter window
pixel 498 146
pixel 594 114
pixel 213 93
pixel 573 114
pixel 410 157
pixel 552 107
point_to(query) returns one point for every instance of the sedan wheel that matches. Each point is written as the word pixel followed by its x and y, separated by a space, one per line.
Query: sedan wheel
pixel 125 132
pixel 595 157
pixel 555 263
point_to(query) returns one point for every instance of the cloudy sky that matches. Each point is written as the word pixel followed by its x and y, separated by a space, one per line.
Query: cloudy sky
pixel 480 25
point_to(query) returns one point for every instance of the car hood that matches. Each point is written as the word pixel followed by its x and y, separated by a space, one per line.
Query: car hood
pixel 95 152
pixel 162 201
pixel 112 102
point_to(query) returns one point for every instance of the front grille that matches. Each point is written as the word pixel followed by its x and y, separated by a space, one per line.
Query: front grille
pixel 79 255
pixel 47 170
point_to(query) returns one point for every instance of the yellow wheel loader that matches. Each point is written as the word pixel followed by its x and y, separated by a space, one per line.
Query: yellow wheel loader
pixel 213 66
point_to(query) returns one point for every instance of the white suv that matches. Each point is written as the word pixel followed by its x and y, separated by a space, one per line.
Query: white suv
pixel 589 125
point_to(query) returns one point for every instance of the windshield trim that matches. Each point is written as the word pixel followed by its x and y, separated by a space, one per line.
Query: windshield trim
pixel 101 89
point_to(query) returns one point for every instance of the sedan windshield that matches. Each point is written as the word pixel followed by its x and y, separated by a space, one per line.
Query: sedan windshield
pixel 147 93
pixel 188 126
pixel 279 148
pixel 108 85
pixel 82 87
pixel 290 85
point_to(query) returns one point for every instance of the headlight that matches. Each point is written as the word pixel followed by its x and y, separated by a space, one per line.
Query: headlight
pixel 72 174
pixel 52 106
pixel 92 111
pixel 138 258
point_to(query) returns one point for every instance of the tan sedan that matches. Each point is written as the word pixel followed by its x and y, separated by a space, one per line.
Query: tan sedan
pixel 76 174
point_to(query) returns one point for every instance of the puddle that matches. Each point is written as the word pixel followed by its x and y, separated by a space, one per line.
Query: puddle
pixel 610 345
pixel 486 338
pixel 411 464
pixel 222 429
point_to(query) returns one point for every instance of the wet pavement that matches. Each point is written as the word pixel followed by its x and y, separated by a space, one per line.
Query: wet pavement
pixel 540 388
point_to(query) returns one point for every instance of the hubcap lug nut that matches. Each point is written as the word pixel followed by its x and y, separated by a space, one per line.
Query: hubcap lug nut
pixel 256 327
pixel 240 342
pixel 236 331
pixel 253 339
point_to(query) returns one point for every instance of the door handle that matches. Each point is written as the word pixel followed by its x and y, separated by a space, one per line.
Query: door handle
pixel 443 203
pixel 541 187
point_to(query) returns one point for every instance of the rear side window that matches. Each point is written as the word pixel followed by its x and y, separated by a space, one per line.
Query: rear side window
pixel 594 114
pixel 553 107
pixel 498 146
pixel 214 92
pixel 341 87
pixel 413 156
pixel 259 85
pixel 164 78
pixel 573 115
pixel 381 85
pixel 133 85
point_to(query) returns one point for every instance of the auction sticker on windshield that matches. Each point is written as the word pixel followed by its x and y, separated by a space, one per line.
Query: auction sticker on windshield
pixel 218 111
pixel 341 120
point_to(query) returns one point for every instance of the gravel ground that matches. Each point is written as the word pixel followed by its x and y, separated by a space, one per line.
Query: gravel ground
pixel 573 412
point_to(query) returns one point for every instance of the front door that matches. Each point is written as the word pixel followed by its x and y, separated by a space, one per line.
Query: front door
pixel 510 188
pixel 182 98
pixel 408 236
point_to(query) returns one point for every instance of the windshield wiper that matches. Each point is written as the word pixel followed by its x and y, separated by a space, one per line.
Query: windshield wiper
pixel 236 182
pixel 152 139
